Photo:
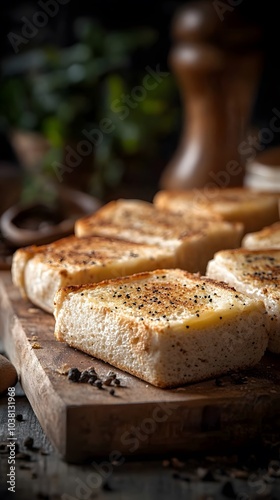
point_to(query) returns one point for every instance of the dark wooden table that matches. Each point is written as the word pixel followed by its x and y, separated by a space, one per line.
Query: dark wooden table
pixel 41 474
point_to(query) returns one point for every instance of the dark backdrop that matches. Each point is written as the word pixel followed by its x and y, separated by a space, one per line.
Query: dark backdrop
pixel 154 13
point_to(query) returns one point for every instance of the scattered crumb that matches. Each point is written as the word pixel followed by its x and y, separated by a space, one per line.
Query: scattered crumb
pixel 34 338
pixel 63 369
pixel 32 310
pixel 36 345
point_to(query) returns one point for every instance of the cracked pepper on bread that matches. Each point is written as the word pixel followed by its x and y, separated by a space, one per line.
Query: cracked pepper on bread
pixel 194 239
pixel 40 270
pixel 257 274
pixel 254 209
pixel 268 237
pixel 167 327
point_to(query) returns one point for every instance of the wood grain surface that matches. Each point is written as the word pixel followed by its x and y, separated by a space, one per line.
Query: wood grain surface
pixel 83 422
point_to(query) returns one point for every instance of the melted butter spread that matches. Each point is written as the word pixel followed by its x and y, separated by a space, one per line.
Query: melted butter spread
pixel 175 296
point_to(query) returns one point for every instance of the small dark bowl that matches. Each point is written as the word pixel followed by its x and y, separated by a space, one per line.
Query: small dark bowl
pixel 41 223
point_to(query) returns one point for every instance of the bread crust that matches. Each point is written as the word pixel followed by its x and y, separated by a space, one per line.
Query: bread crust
pixel 268 237
pixel 194 239
pixel 40 271
pixel 256 273
pixel 255 209
pixel 167 327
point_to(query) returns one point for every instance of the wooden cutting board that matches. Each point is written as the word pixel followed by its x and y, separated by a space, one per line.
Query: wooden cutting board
pixel 84 422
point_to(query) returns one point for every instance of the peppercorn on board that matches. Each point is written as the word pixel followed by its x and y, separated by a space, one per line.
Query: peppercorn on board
pixel 83 421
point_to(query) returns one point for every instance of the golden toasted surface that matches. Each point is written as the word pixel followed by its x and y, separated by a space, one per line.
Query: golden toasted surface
pixel 268 237
pixel 255 208
pixel 40 271
pixel 141 221
pixel 168 326
pixel 261 267
pixel 163 296
pixel 92 250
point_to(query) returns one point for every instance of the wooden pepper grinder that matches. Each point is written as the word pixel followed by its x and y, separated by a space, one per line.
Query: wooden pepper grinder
pixel 217 66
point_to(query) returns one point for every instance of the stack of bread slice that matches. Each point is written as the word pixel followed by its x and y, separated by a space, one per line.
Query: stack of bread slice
pixel 122 238
pixel 123 289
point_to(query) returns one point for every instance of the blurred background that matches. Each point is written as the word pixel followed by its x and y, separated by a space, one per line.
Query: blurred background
pixel 89 99
pixel 84 70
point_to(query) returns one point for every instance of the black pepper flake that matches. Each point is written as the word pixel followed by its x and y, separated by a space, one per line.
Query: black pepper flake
pixel 108 381
pixel 19 417
pixel 74 374
pixel 92 379
pixel 85 376
pixel 91 369
pixel 112 392
pixel 28 442
pixel 117 381
pixel 98 383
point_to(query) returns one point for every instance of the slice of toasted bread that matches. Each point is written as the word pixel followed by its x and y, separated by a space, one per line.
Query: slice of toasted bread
pixel 256 273
pixel 253 208
pixel 167 327
pixel 194 239
pixel 268 237
pixel 40 270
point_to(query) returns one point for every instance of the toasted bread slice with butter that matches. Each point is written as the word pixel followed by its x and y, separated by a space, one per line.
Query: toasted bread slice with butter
pixel 253 208
pixel 167 327
pixel 268 237
pixel 257 274
pixel 40 270
pixel 195 240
